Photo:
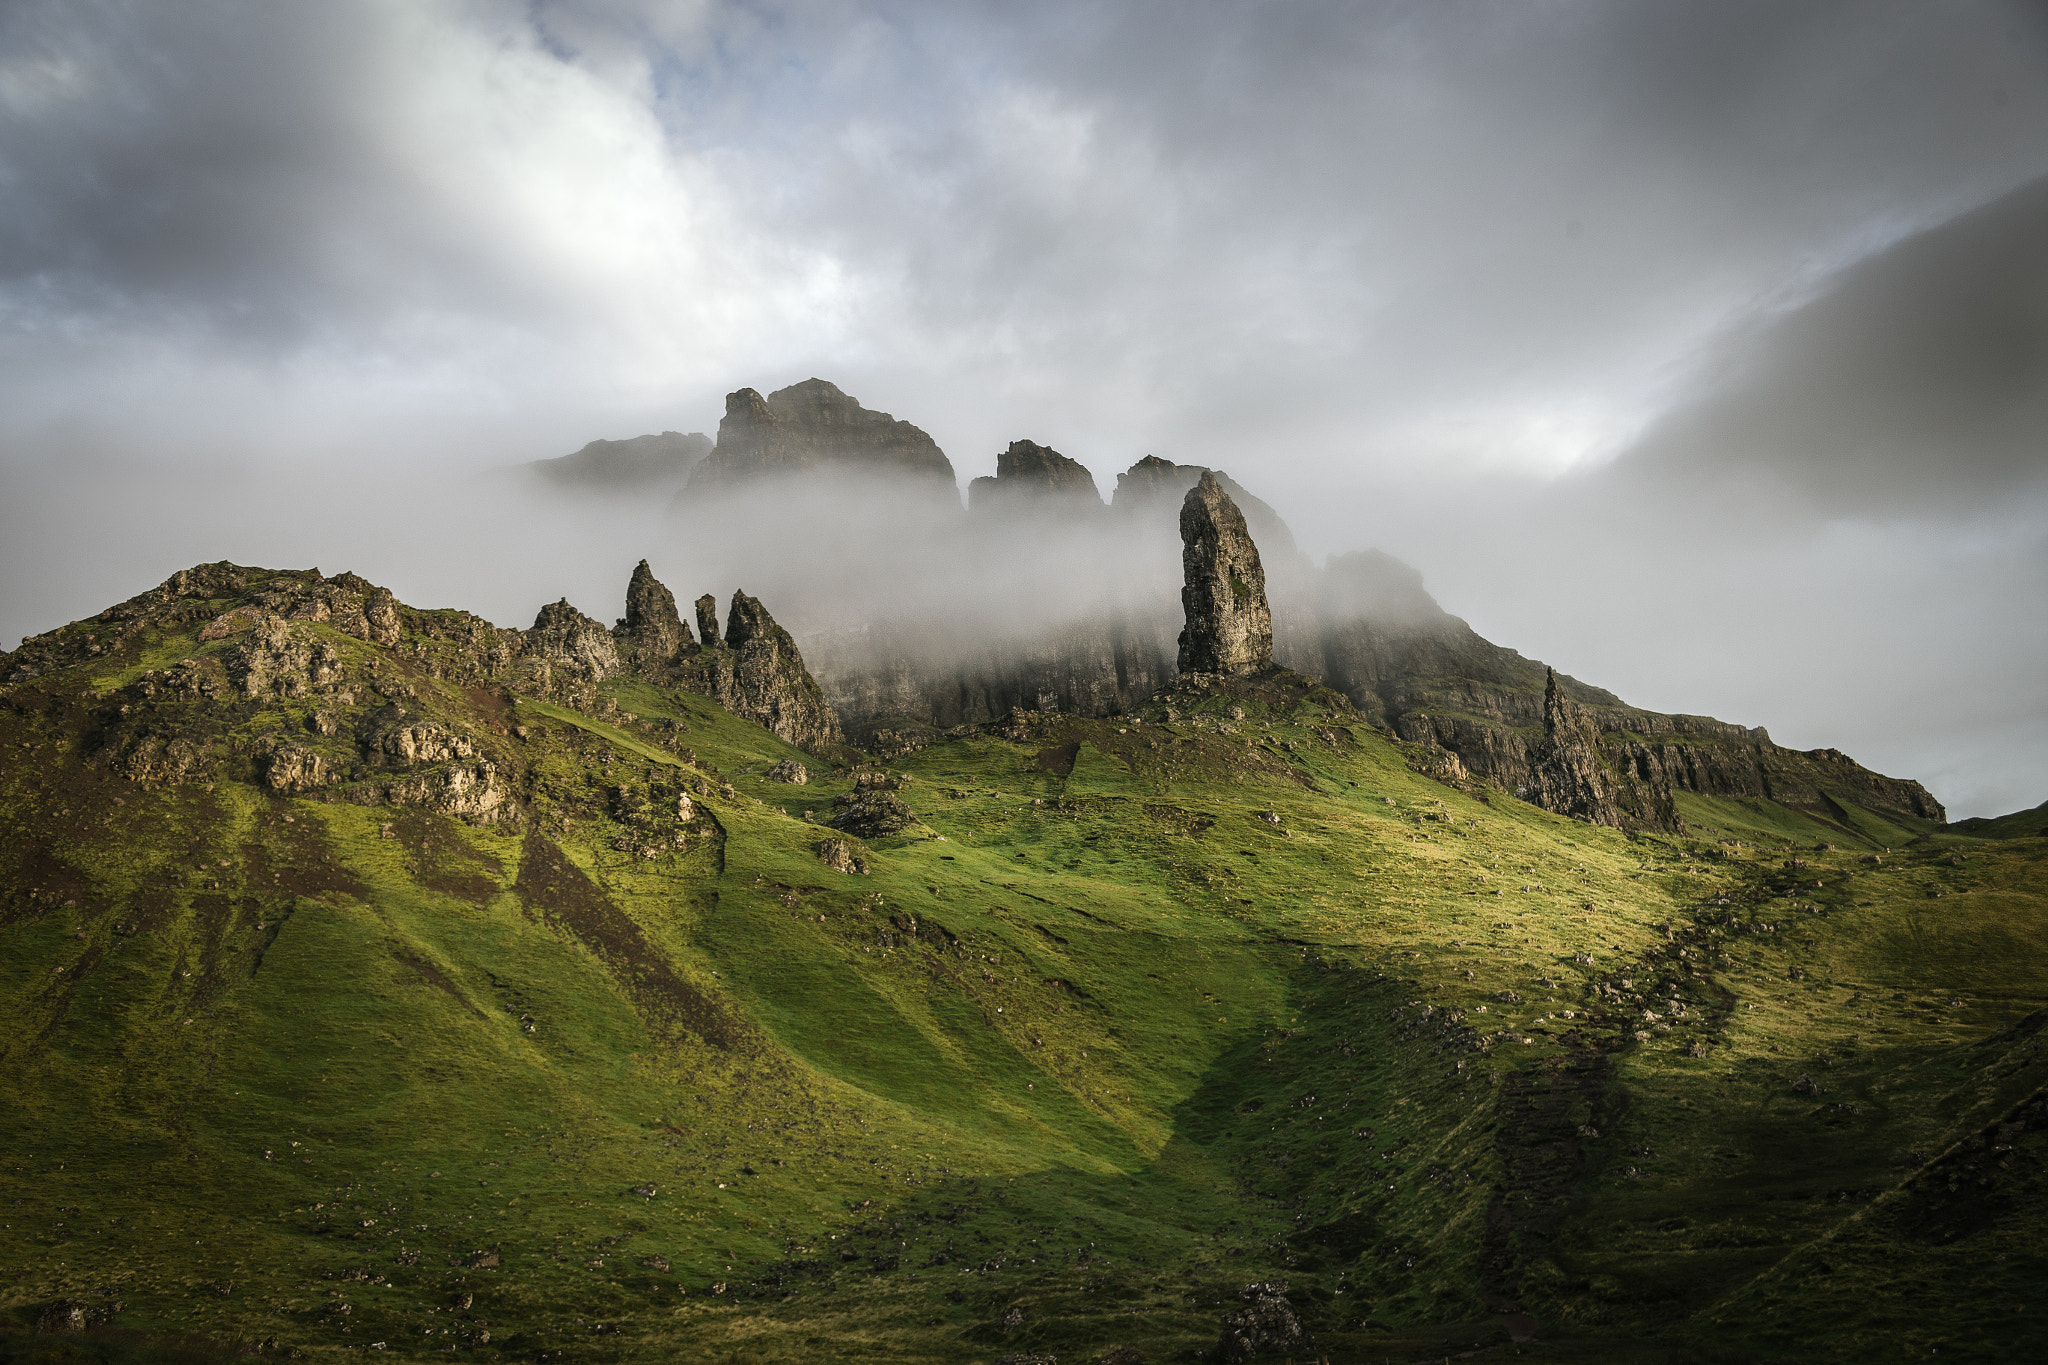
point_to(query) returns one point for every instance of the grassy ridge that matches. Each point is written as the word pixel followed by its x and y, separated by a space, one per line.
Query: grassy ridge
pixel 1141 1010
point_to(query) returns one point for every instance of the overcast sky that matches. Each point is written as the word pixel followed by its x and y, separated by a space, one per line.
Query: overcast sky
pixel 1700 349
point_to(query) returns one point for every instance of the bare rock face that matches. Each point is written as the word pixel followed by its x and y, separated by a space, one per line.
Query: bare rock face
pixel 1032 476
pixel 1566 775
pixel 1229 626
pixel 760 676
pixel 707 620
pixel 812 427
pixel 652 635
pixel 577 651
pixel 791 771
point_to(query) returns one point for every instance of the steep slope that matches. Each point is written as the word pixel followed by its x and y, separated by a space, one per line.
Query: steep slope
pixel 1133 1013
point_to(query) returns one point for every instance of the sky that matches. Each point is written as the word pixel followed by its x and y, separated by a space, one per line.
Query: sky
pixel 1697 348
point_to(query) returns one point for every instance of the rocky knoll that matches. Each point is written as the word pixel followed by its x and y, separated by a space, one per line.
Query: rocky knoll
pixel 812 428
pixel 1229 626
pixel 1035 477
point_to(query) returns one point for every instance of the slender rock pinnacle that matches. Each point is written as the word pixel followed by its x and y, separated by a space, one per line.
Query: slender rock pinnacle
pixel 1230 627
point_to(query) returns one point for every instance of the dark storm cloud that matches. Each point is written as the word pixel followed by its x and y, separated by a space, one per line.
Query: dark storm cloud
pixel 1916 384
pixel 1416 272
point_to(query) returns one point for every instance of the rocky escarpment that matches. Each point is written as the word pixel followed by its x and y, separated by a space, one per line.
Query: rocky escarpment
pixel 1032 477
pixel 1229 626
pixel 814 428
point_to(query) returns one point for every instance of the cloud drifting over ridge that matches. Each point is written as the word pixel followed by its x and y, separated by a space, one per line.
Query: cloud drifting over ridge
pixel 1416 273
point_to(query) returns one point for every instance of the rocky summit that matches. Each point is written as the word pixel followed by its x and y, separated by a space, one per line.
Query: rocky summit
pixel 1229 626
pixel 1033 477
pixel 813 428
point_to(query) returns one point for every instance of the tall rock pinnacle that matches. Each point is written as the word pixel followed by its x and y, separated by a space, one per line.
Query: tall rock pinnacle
pixel 1230 627
pixel 653 632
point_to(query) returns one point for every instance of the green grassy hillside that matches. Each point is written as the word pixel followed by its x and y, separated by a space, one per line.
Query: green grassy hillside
pixel 1138 1012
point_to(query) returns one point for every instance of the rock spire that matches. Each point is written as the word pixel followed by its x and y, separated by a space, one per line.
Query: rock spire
pixel 1229 626
pixel 653 633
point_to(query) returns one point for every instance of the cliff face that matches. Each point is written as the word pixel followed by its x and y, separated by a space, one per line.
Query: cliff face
pixel 1229 626
pixel 812 428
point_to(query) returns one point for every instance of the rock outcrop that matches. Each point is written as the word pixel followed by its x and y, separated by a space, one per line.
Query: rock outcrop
pixel 813 427
pixel 1266 1325
pixel 576 651
pixel 760 675
pixel 1229 626
pixel 707 620
pixel 651 635
pixel 1032 477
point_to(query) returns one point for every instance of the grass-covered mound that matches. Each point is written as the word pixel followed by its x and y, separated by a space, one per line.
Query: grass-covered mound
pixel 1133 1014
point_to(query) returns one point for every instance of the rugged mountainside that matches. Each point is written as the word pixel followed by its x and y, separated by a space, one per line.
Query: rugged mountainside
pixel 375 979
pixel 662 462
pixel 1362 623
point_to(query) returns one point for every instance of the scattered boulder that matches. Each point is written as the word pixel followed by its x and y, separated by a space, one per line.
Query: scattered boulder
pixel 1229 626
pixel 789 770
pixel 659 1263
pixel 1266 1323
pixel 872 814
pixel 841 856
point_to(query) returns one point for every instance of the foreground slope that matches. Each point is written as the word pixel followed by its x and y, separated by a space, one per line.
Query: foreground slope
pixel 366 983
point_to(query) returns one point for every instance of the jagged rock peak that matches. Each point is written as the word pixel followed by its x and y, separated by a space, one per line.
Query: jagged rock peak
pixel 1229 626
pixel 814 427
pixel 760 675
pixel 707 620
pixel 653 633
pixel 1029 474
pixel 565 636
